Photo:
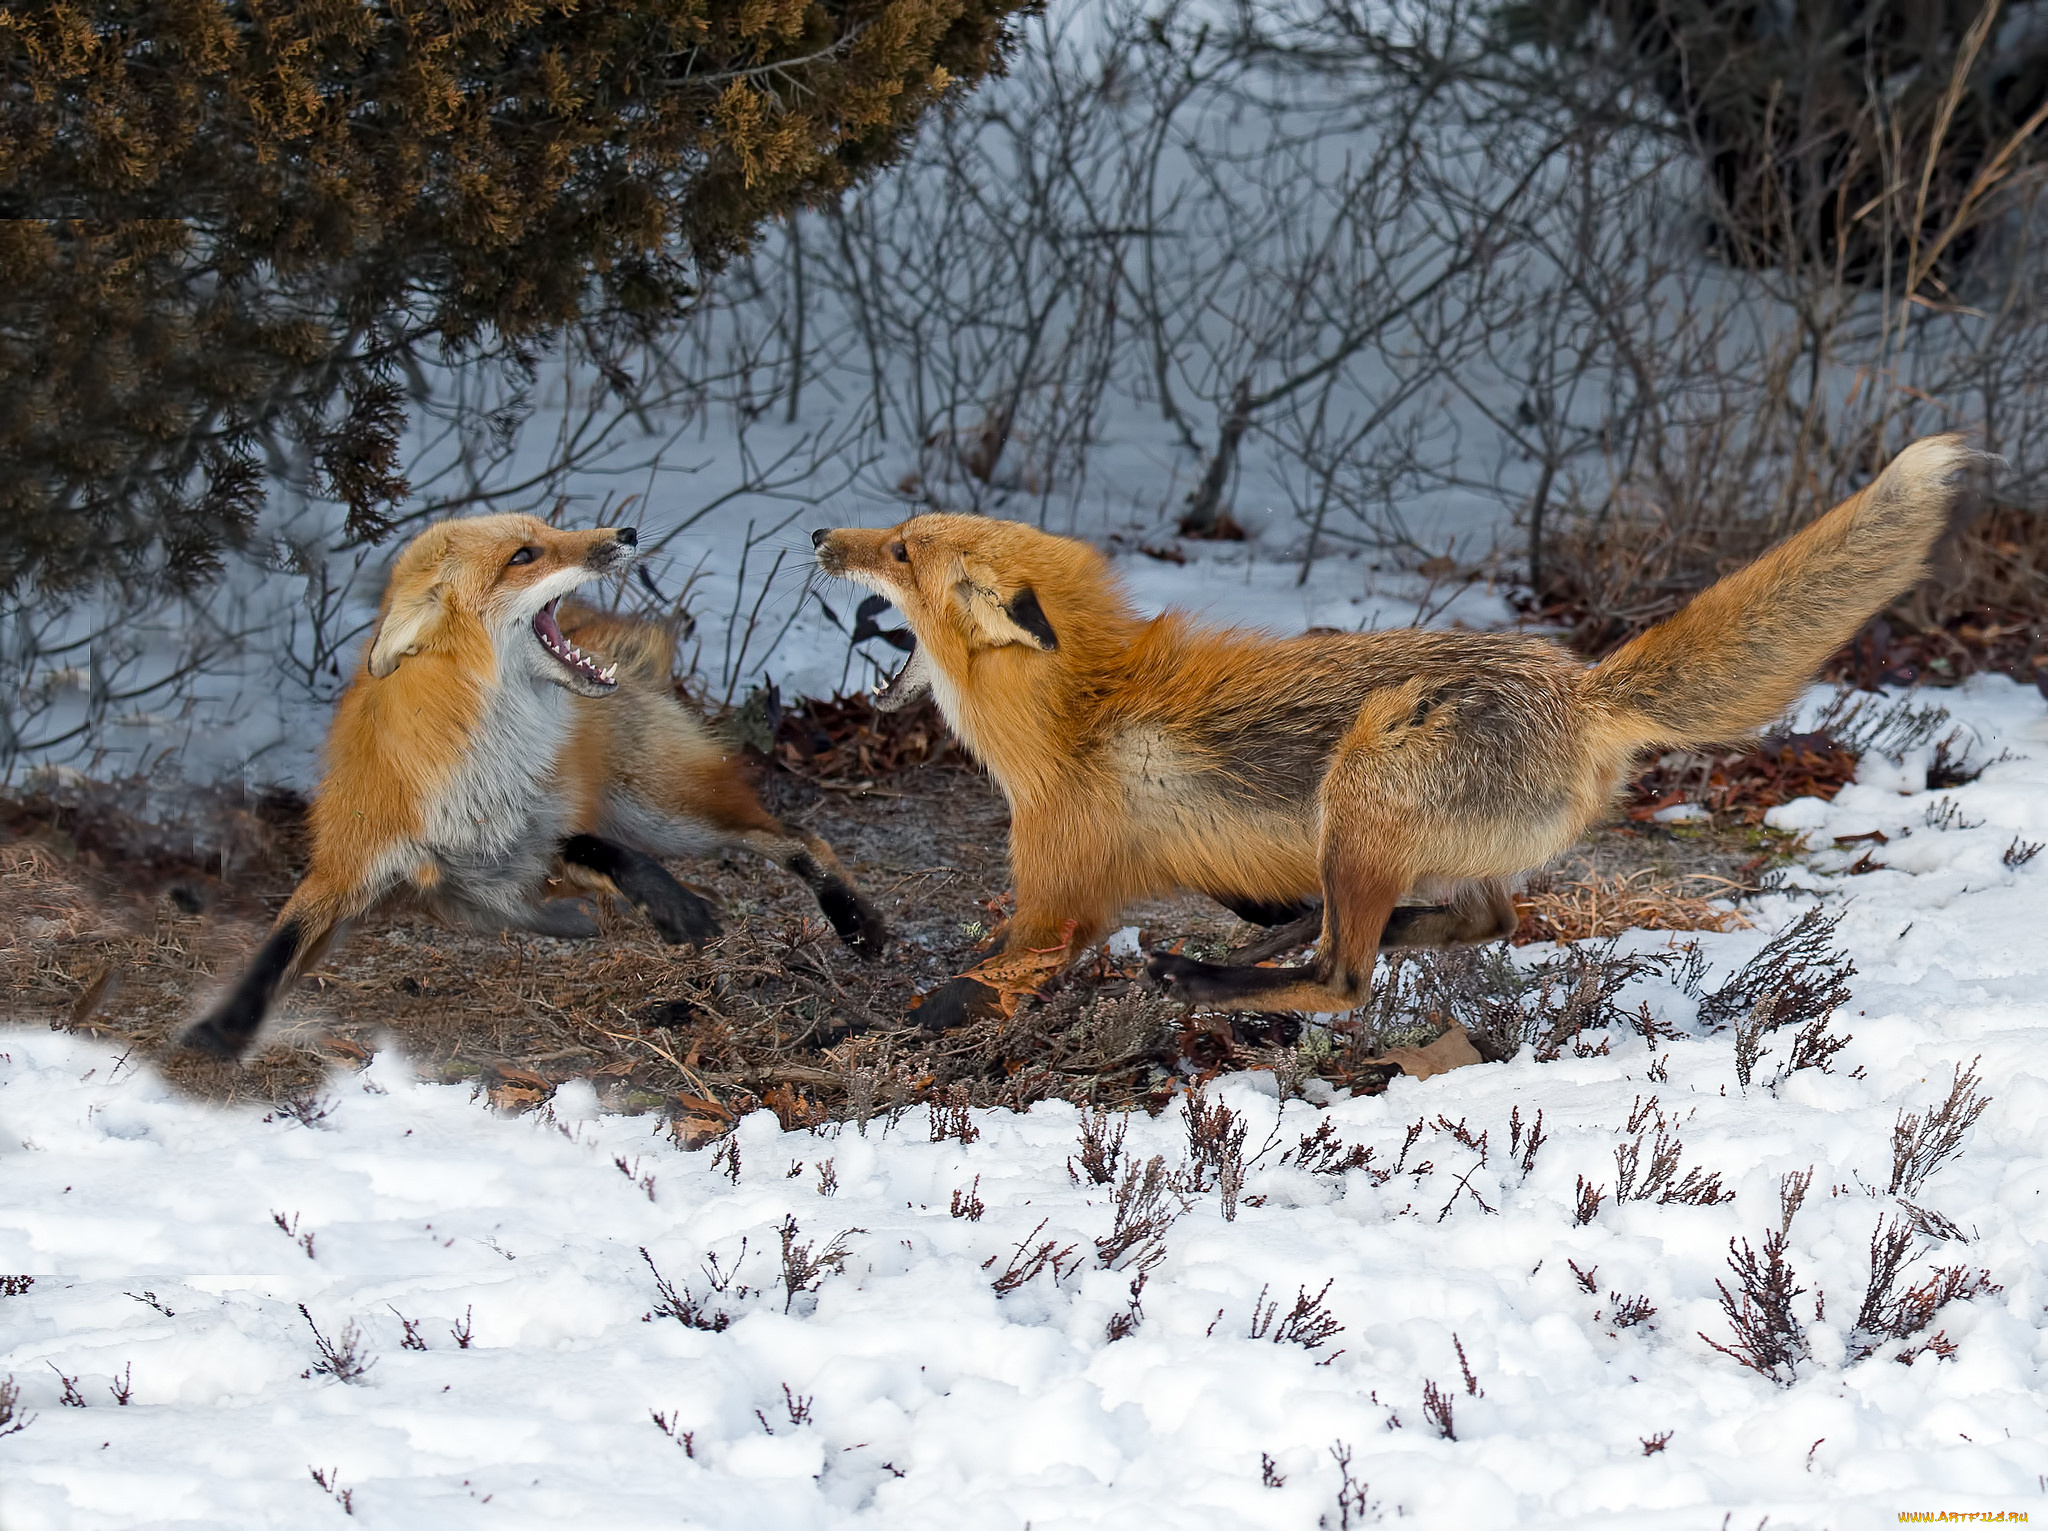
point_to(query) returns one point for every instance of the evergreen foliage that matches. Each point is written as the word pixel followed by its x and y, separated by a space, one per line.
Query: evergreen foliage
pixel 237 226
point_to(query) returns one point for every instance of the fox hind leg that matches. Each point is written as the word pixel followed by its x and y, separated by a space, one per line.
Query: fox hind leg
pixel 566 919
pixel 1267 912
pixel 1363 879
pixel 679 917
pixel 1481 911
pixel 811 861
pixel 1339 977
pixel 301 936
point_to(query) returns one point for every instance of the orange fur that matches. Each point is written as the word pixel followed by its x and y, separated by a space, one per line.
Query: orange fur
pixel 1141 757
pixel 483 740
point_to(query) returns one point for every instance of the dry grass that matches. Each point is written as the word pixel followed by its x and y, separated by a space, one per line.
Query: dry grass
pixel 774 1012
pixel 127 913
pixel 1596 906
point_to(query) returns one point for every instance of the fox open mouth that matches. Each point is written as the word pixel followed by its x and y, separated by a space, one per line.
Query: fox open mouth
pixel 910 683
pixel 549 632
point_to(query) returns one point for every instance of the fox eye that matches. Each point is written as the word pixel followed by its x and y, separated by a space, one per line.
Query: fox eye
pixel 524 555
pixel 899 552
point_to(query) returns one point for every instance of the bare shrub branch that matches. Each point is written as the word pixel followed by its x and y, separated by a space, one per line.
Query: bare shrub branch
pixel 1769 1337
pixel 343 1358
pixel 1101 1147
pixel 805 1266
pixel 1921 1144
pixel 1026 1261
pixel 1307 1323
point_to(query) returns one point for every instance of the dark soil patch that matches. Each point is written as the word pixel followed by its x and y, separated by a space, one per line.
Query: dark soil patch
pixel 124 934
pixel 128 910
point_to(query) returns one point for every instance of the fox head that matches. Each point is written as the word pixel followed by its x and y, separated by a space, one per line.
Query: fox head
pixel 498 578
pixel 967 584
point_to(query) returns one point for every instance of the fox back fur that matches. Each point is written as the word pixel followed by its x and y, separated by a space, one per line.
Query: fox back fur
pixel 1369 770
pixel 493 737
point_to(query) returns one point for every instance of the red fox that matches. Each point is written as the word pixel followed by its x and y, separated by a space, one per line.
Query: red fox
pixel 1401 777
pixel 480 747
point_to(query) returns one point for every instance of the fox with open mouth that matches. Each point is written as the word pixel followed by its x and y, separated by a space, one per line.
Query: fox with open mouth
pixel 494 737
pixel 1366 789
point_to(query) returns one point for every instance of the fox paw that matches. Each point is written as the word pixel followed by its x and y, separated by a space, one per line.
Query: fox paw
pixel 856 920
pixel 1186 979
pixel 212 1039
pixel 682 918
pixel 566 919
pixel 956 1002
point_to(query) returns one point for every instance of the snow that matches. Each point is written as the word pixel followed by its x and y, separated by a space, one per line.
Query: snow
pixel 174 1243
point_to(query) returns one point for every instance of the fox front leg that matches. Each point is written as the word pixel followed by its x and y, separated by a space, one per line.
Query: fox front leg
pixel 809 859
pixel 1055 922
pixel 228 1029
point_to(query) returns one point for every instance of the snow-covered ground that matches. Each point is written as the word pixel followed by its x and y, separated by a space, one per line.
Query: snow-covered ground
pixel 173 1245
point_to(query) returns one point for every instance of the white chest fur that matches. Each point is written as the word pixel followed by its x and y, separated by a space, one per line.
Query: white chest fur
pixel 501 809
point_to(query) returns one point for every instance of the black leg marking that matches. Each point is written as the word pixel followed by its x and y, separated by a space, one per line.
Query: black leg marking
pixel 566 919
pixel 227 1032
pixel 1211 983
pixel 1254 911
pixel 1305 931
pixel 1417 925
pixel 859 926
pixel 678 916
pixel 856 920
pixel 955 1002
pixel 1487 914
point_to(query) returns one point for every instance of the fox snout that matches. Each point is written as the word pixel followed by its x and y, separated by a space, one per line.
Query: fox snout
pixel 609 557
pixel 875 558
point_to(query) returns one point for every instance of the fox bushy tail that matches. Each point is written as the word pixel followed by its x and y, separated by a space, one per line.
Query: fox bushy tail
pixel 1736 656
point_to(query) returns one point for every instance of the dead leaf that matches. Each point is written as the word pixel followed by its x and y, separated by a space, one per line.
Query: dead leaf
pixel 699 1105
pixel 699 1121
pixel 792 1109
pixel 1018 976
pixel 1452 1050
pixel 513 1074
pixel 103 987
pixel 515 1098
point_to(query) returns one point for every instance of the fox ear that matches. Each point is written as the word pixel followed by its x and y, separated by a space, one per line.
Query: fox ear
pixel 402 631
pixel 1023 610
pixel 1020 619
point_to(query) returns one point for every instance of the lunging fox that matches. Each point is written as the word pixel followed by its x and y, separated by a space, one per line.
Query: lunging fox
pixel 480 748
pixel 1366 769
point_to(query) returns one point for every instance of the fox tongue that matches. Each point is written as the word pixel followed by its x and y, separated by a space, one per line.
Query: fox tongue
pixel 549 631
pixel 544 623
